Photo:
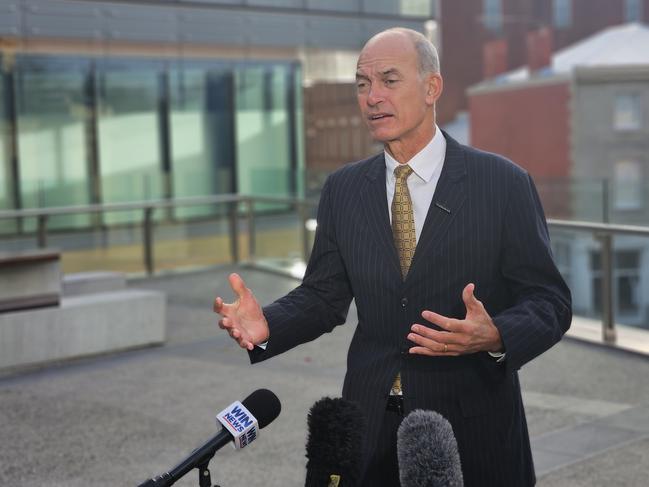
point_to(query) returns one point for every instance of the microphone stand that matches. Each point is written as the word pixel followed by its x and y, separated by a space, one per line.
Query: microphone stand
pixel 204 478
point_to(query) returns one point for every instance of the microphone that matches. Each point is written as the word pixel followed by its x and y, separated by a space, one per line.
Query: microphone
pixel 334 446
pixel 241 423
pixel 427 451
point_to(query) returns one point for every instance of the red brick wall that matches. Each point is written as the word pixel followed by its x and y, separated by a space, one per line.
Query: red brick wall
pixel 530 126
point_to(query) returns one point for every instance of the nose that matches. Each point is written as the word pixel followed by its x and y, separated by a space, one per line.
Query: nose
pixel 374 95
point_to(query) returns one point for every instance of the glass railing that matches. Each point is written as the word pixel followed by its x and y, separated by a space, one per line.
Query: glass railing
pixel 150 237
pixel 605 265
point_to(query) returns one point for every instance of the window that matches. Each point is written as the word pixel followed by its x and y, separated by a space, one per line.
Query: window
pixel 562 13
pixel 419 8
pixel 627 112
pixel 492 11
pixel 628 185
pixel 633 11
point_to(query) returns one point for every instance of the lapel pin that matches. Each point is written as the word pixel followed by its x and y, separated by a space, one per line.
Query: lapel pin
pixel 442 207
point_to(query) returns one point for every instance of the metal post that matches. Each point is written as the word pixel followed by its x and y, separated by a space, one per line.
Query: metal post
pixel 251 230
pixel 304 232
pixel 147 240
pixel 609 334
pixel 42 231
pixel 605 201
pixel 234 232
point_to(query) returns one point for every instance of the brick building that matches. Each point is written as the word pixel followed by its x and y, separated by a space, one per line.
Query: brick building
pixel 580 125
pixel 480 38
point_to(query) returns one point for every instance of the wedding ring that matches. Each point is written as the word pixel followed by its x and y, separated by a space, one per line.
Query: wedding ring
pixel 445 348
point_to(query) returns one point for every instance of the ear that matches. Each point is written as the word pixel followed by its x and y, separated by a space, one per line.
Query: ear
pixel 434 85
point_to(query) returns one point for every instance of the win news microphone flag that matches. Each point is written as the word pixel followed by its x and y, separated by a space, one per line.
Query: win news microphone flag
pixel 241 424
pixel 427 451
pixel 335 444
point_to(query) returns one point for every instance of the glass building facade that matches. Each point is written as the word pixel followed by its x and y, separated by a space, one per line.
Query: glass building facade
pixel 84 130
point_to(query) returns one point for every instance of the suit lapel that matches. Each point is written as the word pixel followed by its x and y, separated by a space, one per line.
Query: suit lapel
pixel 449 197
pixel 374 203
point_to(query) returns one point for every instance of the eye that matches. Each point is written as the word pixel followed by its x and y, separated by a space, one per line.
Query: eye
pixel 390 82
pixel 361 85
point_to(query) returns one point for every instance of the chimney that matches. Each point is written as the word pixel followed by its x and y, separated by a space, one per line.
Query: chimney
pixel 539 49
pixel 494 58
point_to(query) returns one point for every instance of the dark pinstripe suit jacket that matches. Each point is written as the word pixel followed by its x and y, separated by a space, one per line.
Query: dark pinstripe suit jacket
pixel 485 225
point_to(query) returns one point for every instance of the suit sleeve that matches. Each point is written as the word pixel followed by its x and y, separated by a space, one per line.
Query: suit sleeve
pixel 321 302
pixel 541 302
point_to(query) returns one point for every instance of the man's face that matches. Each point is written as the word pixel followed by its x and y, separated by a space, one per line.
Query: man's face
pixel 396 101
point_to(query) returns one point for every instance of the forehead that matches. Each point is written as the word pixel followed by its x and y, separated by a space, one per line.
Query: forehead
pixel 388 52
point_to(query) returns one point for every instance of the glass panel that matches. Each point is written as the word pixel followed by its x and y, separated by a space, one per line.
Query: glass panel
pixel 117 248
pixel 197 243
pixel 202 133
pixel 262 127
pixel 631 307
pixel 51 118
pixel 129 135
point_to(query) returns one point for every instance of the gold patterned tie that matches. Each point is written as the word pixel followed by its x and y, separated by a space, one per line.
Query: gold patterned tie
pixel 405 237
pixel 403 220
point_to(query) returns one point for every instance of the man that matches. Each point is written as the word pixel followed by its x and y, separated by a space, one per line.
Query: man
pixel 414 235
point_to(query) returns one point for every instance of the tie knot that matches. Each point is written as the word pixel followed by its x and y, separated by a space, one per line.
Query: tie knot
pixel 402 171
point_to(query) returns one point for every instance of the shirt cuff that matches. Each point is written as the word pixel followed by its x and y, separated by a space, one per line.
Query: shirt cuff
pixel 499 356
pixel 263 345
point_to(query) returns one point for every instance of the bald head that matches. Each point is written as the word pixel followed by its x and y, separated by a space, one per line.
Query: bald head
pixel 427 57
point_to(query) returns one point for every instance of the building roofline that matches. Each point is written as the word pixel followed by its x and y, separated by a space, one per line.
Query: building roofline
pixel 534 82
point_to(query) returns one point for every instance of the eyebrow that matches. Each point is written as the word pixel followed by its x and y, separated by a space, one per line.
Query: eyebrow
pixel 390 71
pixel 384 74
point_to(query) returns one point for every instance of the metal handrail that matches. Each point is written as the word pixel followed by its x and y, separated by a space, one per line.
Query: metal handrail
pixel 161 203
pixel 599 228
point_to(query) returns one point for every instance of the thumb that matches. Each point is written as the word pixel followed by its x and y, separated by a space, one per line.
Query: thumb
pixel 237 285
pixel 470 301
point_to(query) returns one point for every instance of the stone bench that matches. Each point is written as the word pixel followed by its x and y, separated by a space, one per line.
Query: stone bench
pixel 29 279
pixel 45 317
pixel 92 282
pixel 83 325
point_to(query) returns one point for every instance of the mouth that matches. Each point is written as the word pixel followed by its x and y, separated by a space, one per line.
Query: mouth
pixel 378 116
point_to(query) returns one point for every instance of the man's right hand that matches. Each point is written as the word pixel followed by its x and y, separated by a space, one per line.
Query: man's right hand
pixel 243 319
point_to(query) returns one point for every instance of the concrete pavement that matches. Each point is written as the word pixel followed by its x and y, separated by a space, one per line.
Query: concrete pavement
pixel 116 420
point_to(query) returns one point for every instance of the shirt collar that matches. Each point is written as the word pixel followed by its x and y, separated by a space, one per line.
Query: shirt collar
pixel 425 162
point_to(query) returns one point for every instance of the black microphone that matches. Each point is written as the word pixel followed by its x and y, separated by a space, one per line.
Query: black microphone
pixel 427 451
pixel 262 404
pixel 334 446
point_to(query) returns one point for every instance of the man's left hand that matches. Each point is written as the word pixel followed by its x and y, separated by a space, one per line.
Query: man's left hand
pixel 475 333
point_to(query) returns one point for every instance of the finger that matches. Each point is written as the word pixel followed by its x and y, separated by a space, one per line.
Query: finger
pixel 427 342
pixel 454 338
pixel 237 284
pixel 470 301
pixel 431 353
pixel 224 309
pixel 449 324
pixel 218 304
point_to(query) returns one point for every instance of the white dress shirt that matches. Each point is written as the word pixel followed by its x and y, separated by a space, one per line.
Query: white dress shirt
pixel 427 167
